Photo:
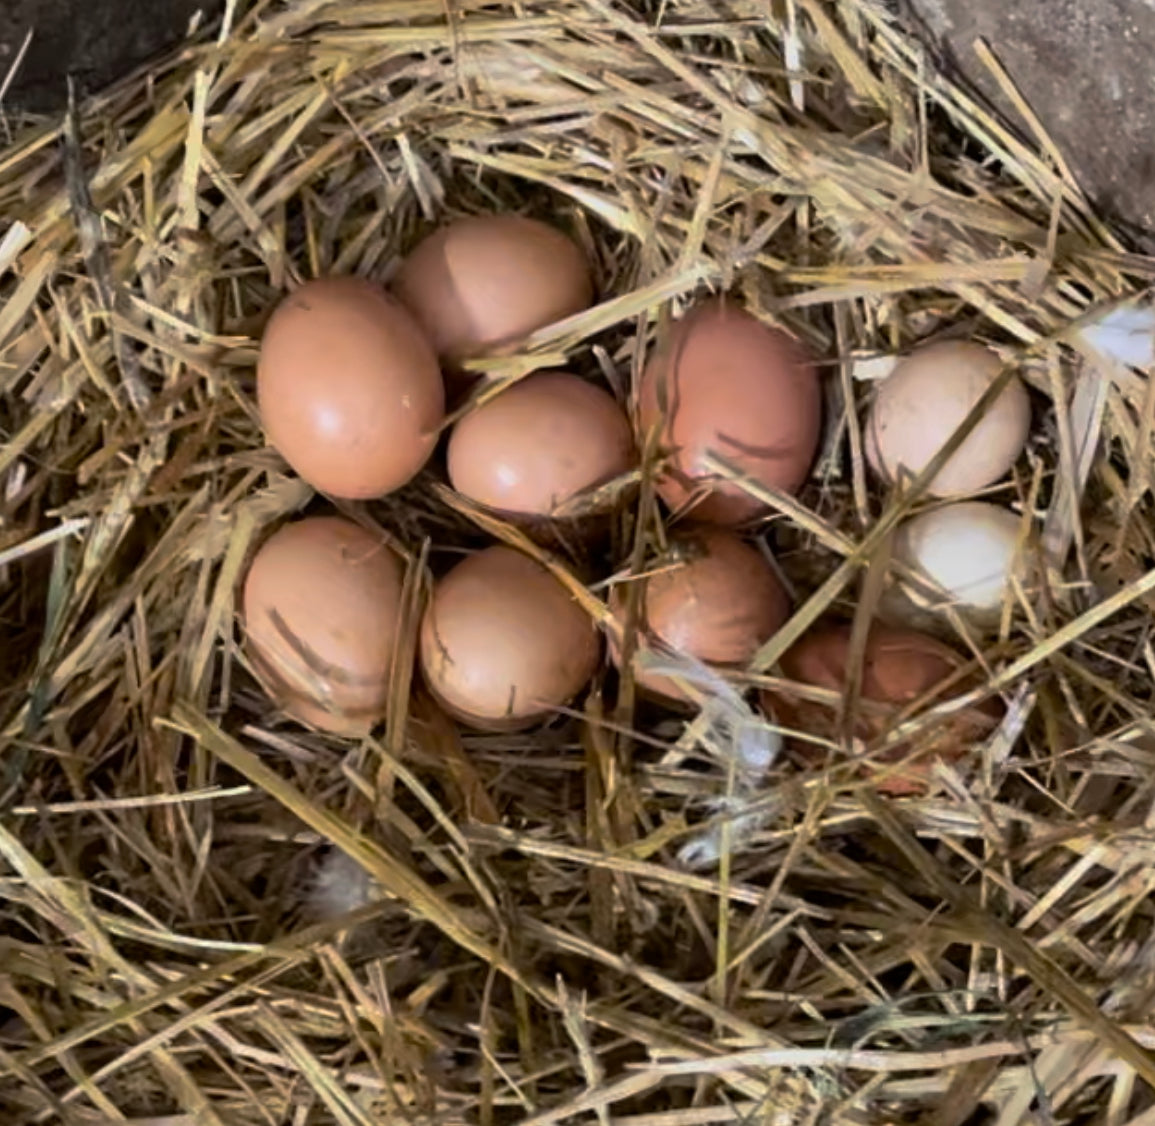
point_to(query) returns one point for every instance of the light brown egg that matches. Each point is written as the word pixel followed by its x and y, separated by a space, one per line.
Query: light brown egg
pixel 539 444
pixel 899 667
pixel 503 643
pixel 321 608
pixel 725 383
pixel 349 389
pixel 488 280
pixel 719 604
pixel 925 400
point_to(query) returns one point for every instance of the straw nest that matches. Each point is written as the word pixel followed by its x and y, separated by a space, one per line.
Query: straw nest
pixel 214 916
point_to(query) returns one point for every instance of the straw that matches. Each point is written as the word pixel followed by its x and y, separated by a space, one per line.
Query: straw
pixel 536 947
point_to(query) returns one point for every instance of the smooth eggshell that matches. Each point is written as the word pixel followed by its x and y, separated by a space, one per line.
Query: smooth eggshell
pixel 349 389
pixel 719 605
pixel 488 280
pixel 967 550
pixel 899 667
pixel 926 398
pixel 321 608
pixel 539 444
pixel 503 643
pixel 725 383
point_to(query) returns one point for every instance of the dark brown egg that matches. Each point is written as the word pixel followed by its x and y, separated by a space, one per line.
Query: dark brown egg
pixel 489 280
pixel 349 389
pixel 899 667
pixel 503 643
pixel 539 444
pixel 724 383
pixel 321 607
pixel 719 602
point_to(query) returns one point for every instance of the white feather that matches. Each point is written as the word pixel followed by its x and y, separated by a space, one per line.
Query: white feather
pixel 736 733
pixel 733 727
pixel 1126 333
pixel 339 885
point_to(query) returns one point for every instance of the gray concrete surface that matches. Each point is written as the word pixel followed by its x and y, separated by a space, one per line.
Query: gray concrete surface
pixel 1087 68
pixel 97 41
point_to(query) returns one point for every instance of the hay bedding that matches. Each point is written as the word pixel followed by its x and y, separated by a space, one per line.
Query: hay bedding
pixel 526 942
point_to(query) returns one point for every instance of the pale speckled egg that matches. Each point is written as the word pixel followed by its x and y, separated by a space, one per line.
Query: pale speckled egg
pixel 488 280
pixel 503 643
pixel 718 601
pixel 724 383
pixel 349 390
pixel 926 398
pixel 539 444
pixel 899 667
pixel 321 606
pixel 968 551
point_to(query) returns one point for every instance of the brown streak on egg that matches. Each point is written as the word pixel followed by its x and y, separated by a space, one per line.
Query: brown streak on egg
pixel 321 607
pixel 724 383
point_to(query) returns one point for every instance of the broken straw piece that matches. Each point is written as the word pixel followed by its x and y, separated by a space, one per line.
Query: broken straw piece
pixel 1087 410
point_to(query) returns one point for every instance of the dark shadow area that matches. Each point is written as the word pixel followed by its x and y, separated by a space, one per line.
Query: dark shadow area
pixel 98 41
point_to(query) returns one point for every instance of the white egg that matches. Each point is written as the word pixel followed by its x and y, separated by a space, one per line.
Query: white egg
pixel 967 550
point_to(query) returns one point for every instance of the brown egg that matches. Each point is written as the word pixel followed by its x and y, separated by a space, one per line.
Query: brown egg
pixel 489 280
pixel 720 604
pixel 723 382
pixel 925 400
pixel 321 607
pixel 539 444
pixel 899 667
pixel 503 643
pixel 349 389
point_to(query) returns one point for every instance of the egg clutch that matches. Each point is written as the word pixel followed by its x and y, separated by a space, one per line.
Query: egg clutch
pixel 353 383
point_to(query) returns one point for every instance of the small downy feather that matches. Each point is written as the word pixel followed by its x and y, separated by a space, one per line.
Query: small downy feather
pixel 735 735
pixel 339 886
pixel 1125 333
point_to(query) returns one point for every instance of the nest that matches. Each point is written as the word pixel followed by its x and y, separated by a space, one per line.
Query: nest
pixel 213 915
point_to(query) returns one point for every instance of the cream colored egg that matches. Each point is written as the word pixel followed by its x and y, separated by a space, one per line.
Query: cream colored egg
pixel 925 400
pixel 967 551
